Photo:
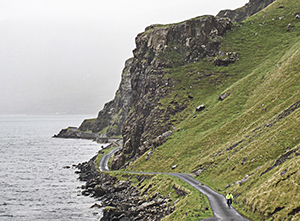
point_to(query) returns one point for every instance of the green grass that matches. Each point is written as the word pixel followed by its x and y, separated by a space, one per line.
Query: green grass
pixel 262 84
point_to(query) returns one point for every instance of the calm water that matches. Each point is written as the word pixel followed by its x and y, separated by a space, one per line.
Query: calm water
pixel 33 183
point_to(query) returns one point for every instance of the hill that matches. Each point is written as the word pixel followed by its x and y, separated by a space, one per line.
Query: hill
pixel 246 141
pixel 218 99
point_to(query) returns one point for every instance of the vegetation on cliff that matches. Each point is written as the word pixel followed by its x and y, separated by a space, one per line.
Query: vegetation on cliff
pixel 219 99
pixel 247 142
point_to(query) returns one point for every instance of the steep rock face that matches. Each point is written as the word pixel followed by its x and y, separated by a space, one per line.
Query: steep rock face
pixel 114 112
pixel 157 48
pixel 193 39
pixel 242 13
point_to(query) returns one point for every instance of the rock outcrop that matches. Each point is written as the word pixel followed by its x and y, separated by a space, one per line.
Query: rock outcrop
pixel 135 112
pixel 75 133
pixel 114 112
pixel 111 117
pixel 246 11
pixel 168 46
pixel 160 47
pixel 134 109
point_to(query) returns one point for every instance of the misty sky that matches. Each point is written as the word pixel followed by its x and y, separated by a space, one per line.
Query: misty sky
pixel 66 56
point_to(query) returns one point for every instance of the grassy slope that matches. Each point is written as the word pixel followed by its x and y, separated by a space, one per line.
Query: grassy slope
pixel 263 83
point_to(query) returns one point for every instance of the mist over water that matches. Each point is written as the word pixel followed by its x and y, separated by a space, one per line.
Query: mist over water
pixel 33 181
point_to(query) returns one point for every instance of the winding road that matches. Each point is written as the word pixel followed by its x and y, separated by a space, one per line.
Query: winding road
pixel 217 201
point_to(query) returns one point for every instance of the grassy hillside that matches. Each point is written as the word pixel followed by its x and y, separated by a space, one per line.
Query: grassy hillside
pixel 253 135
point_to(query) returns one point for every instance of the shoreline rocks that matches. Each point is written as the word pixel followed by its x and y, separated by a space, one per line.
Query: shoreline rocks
pixel 122 200
pixel 76 133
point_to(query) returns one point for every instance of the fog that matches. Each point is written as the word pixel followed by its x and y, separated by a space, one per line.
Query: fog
pixel 66 56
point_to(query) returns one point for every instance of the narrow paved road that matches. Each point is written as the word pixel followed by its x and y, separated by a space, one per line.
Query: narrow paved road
pixel 105 158
pixel 217 201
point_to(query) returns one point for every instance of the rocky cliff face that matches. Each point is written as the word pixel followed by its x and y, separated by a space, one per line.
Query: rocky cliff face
pixel 249 9
pixel 157 49
pixel 135 111
pixel 114 112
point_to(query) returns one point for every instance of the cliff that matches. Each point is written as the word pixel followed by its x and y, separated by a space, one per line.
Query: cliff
pixel 239 130
pixel 137 111
pixel 217 99
pixel 111 118
pixel 158 49
pixel 246 11
pixel 143 85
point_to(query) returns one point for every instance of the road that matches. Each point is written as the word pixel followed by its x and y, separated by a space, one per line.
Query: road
pixel 217 201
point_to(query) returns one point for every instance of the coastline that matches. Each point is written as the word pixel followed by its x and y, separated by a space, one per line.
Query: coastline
pixel 114 195
pixel 114 192
pixel 217 201
pixel 75 133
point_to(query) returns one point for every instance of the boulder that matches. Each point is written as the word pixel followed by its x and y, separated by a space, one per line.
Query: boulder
pixel 226 60
pixel 223 96
pixel 200 108
pixel 198 172
pixel 145 205
pixel 85 192
pixel 121 185
pixel 283 173
pixel 96 205
pixel 118 161
pixel 161 139
pixel 99 191
pixel 148 155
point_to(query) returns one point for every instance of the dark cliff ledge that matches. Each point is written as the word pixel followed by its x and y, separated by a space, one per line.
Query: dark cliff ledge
pixel 246 11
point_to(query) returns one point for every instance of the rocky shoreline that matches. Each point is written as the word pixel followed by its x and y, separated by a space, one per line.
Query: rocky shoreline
pixel 122 201
pixel 75 133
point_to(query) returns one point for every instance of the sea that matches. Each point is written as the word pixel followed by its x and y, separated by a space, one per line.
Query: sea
pixel 37 177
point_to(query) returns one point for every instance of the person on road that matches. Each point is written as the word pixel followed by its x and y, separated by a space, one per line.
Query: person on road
pixel 229 198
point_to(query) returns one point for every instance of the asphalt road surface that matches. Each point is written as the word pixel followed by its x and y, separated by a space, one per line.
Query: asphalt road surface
pixel 217 201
